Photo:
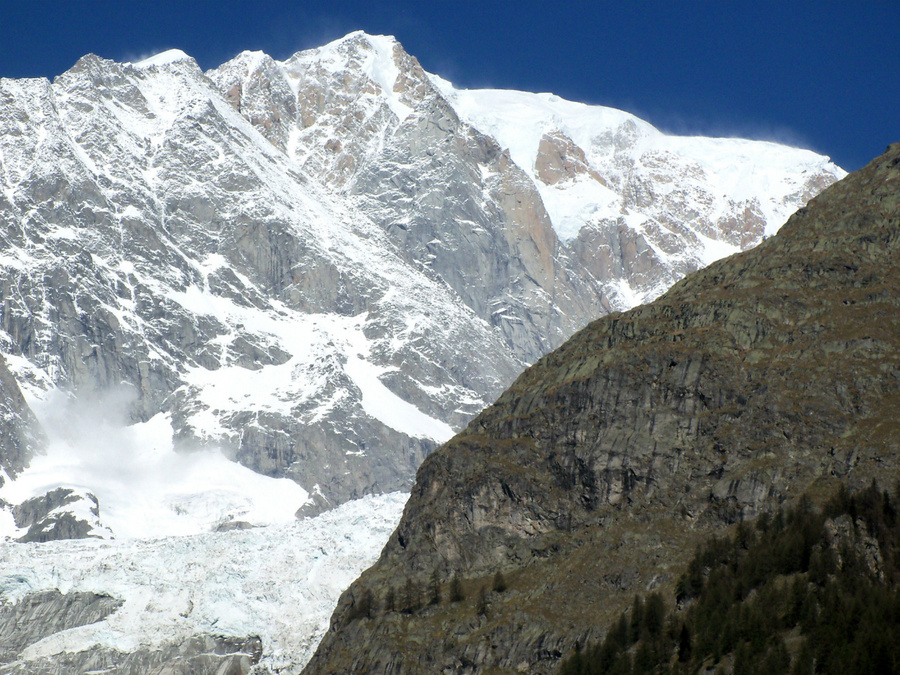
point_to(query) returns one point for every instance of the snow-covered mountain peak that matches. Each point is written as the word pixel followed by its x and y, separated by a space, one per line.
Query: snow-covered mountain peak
pixel 611 181
pixel 163 59
pixel 347 200
pixel 283 255
pixel 376 58
pixel 378 51
pixel 241 293
pixel 518 120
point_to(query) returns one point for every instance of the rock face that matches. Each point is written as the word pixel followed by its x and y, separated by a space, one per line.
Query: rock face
pixel 770 373
pixel 40 615
pixel 199 655
pixel 51 517
pixel 20 434
pixel 369 122
pixel 327 265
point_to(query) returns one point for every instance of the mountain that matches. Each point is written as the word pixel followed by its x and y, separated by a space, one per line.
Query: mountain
pixel 325 266
pixel 769 374
pixel 274 288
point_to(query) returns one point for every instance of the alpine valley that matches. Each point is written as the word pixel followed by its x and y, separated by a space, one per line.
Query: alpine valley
pixel 239 308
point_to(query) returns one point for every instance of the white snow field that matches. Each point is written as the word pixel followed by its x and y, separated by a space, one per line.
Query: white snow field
pixel 723 171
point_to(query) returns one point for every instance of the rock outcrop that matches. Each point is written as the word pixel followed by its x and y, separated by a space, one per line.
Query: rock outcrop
pixel 39 615
pixel 20 434
pixel 768 374
pixel 55 515
pixel 198 655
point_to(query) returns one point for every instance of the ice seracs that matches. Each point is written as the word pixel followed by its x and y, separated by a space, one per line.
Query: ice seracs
pixel 279 582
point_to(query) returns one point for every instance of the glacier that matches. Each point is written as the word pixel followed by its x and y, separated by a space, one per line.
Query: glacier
pixel 278 582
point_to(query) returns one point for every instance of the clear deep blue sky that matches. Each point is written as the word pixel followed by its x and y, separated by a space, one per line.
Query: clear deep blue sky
pixel 823 75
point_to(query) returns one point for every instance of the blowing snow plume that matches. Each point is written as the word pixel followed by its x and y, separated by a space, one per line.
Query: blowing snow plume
pixel 142 486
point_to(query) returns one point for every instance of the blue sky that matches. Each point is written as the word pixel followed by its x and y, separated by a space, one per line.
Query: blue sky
pixel 823 75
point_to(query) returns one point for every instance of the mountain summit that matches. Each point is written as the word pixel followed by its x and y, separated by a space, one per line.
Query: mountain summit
pixel 763 376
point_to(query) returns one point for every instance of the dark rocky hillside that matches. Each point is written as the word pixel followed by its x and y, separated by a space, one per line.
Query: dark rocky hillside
pixel 769 374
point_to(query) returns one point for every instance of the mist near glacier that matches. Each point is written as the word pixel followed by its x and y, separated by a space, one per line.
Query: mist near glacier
pixel 158 549
pixel 145 488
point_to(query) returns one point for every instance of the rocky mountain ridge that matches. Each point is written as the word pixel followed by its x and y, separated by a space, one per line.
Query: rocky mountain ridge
pixel 763 376
pixel 326 265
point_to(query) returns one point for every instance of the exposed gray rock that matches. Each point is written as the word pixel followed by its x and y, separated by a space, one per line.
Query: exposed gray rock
pixel 847 534
pixel 43 614
pixel 198 655
pixel 490 239
pixel 20 434
pixel 46 521
pixel 39 615
pixel 230 525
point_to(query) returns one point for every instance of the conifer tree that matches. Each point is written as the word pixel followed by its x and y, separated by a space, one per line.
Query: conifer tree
pixel 434 589
pixel 637 618
pixel 684 644
pixel 456 589
pixel 411 597
pixel 481 607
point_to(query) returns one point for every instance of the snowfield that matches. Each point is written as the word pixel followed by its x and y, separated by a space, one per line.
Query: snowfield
pixel 722 172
